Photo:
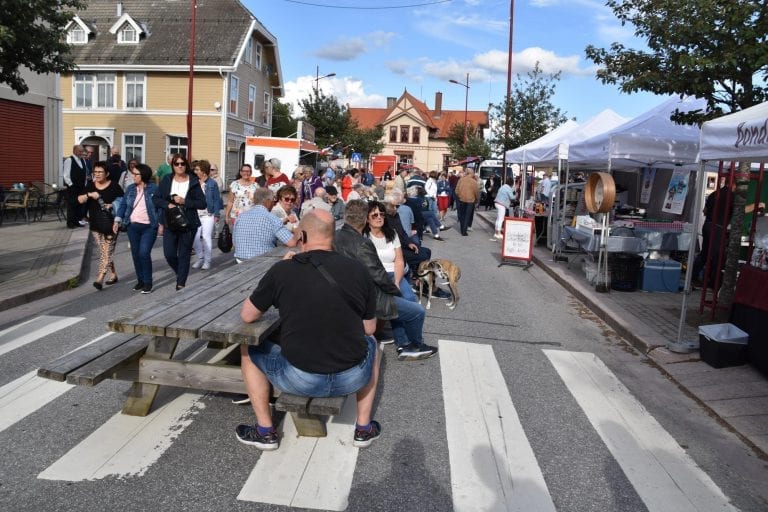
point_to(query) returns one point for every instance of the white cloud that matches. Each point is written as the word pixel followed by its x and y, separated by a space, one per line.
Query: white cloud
pixel 346 90
pixel 398 67
pixel 342 49
pixel 381 38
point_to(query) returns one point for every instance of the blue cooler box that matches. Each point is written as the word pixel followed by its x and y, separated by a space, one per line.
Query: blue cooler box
pixel 661 276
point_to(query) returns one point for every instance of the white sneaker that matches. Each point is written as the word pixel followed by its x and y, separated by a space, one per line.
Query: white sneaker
pixel 498 236
pixel 197 264
pixel 469 228
pixel 206 266
pixel 82 223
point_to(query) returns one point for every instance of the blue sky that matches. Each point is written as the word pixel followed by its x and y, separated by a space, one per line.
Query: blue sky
pixel 377 52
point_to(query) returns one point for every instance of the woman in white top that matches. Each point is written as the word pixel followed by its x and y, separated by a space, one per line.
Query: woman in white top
pixel 504 198
pixel 240 195
pixel 283 209
pixel 388 248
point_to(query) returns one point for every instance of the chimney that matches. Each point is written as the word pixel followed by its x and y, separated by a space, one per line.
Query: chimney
pixel 119 8
pixel 438 104
pixel 391 100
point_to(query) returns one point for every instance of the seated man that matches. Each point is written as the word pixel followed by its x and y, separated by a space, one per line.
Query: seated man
pixel 335 355
pixel 257 231
pixel 406 317
pixel 319 202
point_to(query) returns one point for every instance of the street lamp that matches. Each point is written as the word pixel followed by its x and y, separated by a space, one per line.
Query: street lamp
pixel 318 77
pixel 466 103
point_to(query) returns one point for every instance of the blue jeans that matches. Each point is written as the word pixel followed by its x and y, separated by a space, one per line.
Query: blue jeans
pixel 432 221
pixel 405 288
pixel 177 248
pixel 407 327
pixel 268 357
pixel 142 238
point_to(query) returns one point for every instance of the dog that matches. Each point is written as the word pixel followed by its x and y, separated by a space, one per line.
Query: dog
pixel 427 275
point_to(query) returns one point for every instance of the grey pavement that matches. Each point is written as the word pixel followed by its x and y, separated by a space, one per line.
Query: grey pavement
pixel 44 257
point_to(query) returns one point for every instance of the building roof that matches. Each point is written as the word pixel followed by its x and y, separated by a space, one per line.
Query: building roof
pixel 441 121
pixel 221 27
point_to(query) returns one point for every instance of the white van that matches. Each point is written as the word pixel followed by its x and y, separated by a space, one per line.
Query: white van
pixel 487 168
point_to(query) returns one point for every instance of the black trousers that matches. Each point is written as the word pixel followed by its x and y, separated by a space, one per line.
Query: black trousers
pixel 75 211
pixel 465 212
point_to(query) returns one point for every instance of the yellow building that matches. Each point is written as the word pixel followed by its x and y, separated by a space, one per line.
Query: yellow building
pixel 415 134
pixel 131 86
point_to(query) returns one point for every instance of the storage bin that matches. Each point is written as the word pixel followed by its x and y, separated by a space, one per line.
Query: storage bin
pixel 625 271
pixel 722 345
pixel 661 276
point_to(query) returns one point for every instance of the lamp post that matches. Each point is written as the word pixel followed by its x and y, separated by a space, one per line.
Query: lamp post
pixel 466 103
pixel 318 77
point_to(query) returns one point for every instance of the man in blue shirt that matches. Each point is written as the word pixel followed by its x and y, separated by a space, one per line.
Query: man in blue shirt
pixel 257 231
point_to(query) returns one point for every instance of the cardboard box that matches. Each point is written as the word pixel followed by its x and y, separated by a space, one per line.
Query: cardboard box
pixel 722 345
pixel 661 276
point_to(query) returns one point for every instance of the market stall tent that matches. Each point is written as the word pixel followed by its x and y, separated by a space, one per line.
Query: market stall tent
pixel 650 139
pixel 741 136
pixel 529 153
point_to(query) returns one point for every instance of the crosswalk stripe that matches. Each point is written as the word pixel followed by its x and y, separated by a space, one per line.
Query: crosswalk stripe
pixel 25 395
pixel 307 472
pixel 12 338
pixel 662 473
pixel 126 445
pixel 492 463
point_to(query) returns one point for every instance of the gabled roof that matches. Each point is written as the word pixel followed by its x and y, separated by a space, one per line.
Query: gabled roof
pixel 221 27
pixel 126 18
pixel 438 122
pixel 76 20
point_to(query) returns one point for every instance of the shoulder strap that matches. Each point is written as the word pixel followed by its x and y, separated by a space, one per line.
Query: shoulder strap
pixel 331 281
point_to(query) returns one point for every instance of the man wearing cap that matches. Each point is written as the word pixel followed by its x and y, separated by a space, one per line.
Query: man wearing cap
pixel 337 205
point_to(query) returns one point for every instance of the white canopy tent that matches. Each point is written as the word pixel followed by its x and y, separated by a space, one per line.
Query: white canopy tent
pixel 741 136
pixel 530 152
pixel 650 139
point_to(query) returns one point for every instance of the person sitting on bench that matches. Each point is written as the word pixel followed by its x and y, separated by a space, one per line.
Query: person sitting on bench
pixel 335 355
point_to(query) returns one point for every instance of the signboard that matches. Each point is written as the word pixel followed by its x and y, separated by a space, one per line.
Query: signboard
pixel 649 173
pixel 676 192
pixel 305 131
pixel 517 239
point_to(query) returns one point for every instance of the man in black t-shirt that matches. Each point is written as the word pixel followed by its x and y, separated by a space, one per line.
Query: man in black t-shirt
pixel 335 354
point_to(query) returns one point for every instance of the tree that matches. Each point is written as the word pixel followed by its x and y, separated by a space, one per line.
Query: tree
pixel 364 141
pixel 32 35
pixel 475 146
pixel 283 122
pixel 711 49
pixel 529 109
pixel 330 119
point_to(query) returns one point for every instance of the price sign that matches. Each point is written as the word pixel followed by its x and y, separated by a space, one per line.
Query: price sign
pixel 517 240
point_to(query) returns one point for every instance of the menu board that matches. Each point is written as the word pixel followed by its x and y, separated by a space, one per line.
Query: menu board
pixel 517 240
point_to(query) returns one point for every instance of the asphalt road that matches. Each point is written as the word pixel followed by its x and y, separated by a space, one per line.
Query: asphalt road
pixel 531 404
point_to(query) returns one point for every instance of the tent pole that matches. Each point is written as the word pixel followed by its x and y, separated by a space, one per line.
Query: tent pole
pixel 680 346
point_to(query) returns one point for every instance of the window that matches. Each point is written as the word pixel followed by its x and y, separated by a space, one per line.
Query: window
pixel 102 83
pixel 134 91
pixel 77 35
pixel 416 135
pixel 252 102
pixel 267 112
pixel 128 34
pixel 249 51
pixel 234 84
pixel 133 144
pixel 393 134
pixel 257 64
pixel 177 145
pixel 404 130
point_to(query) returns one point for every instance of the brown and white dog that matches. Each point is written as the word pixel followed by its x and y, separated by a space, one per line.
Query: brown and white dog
pixel 428 273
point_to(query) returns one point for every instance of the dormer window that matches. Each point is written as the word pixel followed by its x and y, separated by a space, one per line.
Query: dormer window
pixel 77 31
pixel 128 34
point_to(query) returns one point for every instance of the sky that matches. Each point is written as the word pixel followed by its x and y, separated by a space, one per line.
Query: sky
pixel 379 48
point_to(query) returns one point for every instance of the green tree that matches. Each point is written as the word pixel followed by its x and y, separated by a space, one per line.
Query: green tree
pixel 364 141
pixel 529 109
pixel 330 119
pixel 283 122
pixel 711 49
pixel 32 35
pixel 475 146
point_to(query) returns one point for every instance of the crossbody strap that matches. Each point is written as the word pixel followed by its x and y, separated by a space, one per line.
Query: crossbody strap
pixel 331 281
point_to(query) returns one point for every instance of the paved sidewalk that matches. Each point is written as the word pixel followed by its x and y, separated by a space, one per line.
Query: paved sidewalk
pixel 737 396
pixel 44 257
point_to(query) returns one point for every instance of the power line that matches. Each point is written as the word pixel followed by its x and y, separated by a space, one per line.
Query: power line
pixel 329 6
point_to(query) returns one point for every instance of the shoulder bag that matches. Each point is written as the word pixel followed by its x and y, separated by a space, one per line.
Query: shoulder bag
pixel 225 239
pixel 102 220
pixel 176 219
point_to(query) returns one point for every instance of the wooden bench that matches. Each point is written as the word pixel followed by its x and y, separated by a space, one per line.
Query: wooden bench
pixel 310 414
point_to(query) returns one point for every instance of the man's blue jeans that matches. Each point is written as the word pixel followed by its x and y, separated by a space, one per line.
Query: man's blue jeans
pixel 408 326
pixel 142 238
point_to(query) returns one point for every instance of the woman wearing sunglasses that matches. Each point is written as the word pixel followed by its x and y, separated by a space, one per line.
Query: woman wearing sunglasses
pixel 283 209
pixel 180 189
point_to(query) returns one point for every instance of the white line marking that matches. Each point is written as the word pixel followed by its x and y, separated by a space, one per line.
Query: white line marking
pixel 48 325
pixel 492 464
pixel 25 395
pixel 307 472
pixel 663 474
pixel 126 445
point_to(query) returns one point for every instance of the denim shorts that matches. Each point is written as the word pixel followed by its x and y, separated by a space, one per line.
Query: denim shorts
pixel 268 357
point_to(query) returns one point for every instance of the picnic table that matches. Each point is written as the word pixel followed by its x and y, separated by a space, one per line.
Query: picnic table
pixel 143 350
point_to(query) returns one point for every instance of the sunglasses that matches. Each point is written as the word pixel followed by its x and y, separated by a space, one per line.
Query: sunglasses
pixel 179 164
pixel 289 199
pixel 376 215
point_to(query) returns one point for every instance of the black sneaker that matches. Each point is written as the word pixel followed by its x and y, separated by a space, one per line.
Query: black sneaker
pixel 414 352
pixel 241 400
pixel 364 438
pixel 147 289
pixel 429 348
pixel 139 287
pixel 249 434
pixel 439 293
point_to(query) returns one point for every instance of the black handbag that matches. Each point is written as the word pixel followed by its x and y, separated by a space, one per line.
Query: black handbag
pixel 176 219
pixel 225 239
pixel 102 220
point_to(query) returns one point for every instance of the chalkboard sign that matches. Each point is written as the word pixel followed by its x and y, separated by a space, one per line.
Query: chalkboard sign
pixel 517 240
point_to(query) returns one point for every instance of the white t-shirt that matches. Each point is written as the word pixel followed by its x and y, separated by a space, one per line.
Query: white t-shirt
pixel 179 188
pixel 386 250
